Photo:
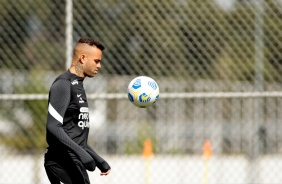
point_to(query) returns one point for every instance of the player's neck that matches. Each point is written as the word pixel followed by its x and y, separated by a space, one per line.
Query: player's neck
pixel 75 71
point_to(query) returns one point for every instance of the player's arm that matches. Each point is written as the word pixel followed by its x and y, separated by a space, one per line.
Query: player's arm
pixel 59 99
pixel 100 162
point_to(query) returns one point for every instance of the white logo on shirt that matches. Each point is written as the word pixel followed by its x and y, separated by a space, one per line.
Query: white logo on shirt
pixel 83 124
pixel 83 118
pixel 74 82
pixel 81 100
pixel 83 109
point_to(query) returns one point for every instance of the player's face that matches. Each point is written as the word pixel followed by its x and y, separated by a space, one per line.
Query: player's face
pixel 93 62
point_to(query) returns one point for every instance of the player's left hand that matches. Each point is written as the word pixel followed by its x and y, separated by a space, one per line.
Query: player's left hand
pixel 105 173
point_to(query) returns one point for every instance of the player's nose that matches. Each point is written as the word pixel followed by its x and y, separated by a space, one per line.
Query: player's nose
pixel 99 65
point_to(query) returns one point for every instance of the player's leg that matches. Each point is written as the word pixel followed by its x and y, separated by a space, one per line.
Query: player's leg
pixel 57 175
pixel 70 173
pixel 80 174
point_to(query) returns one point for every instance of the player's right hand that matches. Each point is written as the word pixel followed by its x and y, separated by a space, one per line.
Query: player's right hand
pixel 90 166
pixel 88 162
pixel 104 167
pixel 105 173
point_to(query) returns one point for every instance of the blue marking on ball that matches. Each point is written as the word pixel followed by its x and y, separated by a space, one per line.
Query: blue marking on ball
pixel 153 85
pixel 144 98
pixel 137 84
pixel 130 97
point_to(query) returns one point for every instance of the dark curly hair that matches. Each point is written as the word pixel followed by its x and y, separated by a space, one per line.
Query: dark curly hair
pixel 91 42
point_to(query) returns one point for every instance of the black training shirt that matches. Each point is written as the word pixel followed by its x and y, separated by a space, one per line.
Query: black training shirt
pixel 67 126
pixel 68 118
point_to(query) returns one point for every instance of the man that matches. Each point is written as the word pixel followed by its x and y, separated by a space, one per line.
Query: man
pixel 68 155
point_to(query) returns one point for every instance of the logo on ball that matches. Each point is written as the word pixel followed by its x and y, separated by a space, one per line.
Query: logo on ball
pixel 137 84
pixel 144 98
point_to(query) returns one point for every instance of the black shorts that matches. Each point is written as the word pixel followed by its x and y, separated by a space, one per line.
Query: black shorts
pixel 66 171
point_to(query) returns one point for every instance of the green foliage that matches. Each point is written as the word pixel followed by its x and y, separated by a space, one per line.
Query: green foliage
pixel 28 116
pixel 25 35
pixel 195 36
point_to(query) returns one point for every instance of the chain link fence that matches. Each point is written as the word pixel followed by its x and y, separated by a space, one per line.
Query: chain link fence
pixel 218 66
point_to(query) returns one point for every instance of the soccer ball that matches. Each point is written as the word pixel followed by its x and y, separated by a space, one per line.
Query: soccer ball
pixel 143 91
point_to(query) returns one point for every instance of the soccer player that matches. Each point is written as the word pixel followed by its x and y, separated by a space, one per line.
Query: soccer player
pixel 68 155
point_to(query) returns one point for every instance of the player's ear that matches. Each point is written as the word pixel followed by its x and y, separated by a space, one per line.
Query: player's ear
pixel 82 58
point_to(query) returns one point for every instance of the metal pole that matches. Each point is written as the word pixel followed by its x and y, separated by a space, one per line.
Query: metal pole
pixel 259 78
pixel 259 44
pixel 69 27
pixel 256 144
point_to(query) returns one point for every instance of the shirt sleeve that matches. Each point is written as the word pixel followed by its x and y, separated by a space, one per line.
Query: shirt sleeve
pixel 59 99
pixel 100 162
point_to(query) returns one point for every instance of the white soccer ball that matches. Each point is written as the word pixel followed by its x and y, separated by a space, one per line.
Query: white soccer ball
pixel 143 91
